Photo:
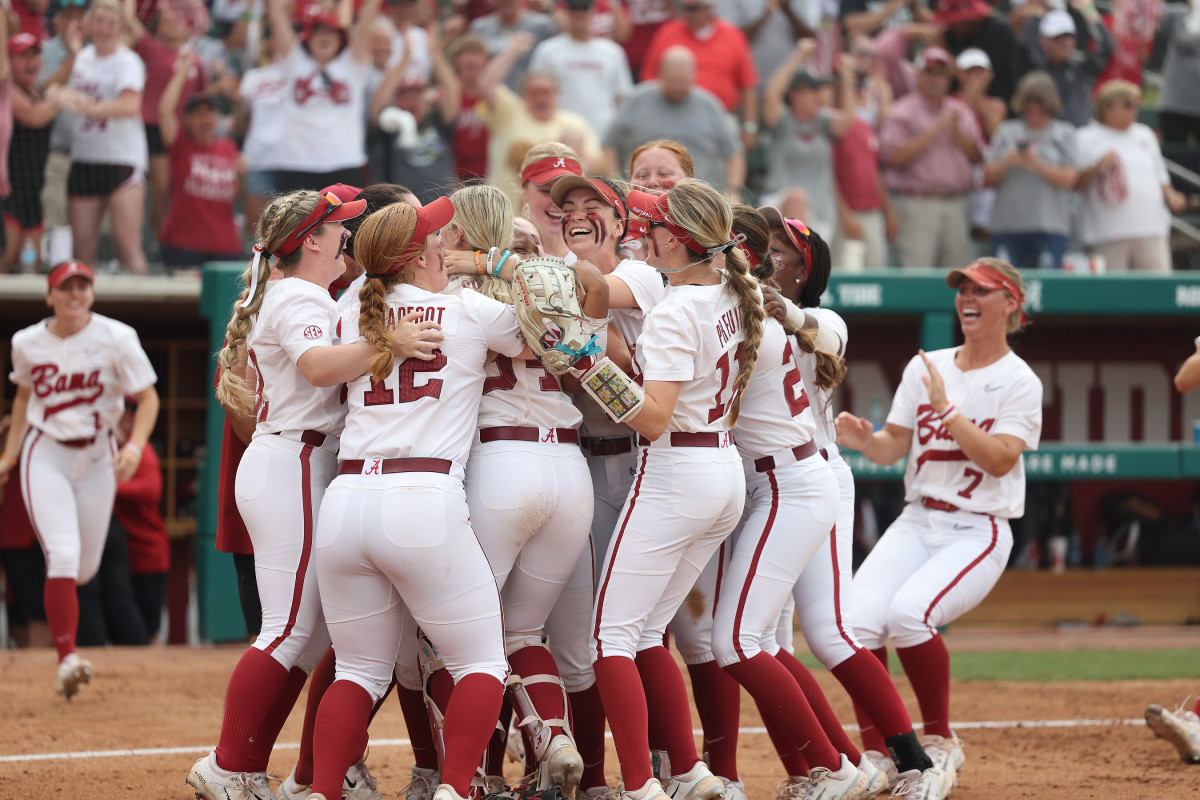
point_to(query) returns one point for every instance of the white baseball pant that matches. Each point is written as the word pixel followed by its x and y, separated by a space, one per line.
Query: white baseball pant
pixel 390 542
pixel 279 486
pixel 69 492
pixel 929 568
pixel 684 502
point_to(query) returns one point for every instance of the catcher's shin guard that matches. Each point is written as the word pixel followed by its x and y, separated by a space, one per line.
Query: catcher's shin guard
pixel 558 761
pixel 431 664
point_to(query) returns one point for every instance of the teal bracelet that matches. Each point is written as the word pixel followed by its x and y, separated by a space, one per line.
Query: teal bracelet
pixel 500 264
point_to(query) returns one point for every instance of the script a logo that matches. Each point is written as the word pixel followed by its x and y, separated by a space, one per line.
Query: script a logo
pixel 562 162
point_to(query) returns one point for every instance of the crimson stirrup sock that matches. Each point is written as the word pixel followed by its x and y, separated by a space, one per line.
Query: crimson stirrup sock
pixel 666 693
pixel 871 737
pixel 322 679
pixel 255 685
pixel 928 668
pixel 412 706
pixel 493 759
pixel 789 754
pixel 62 613
pixel 867 682
pixel 268 732
pixel 820 706
pixel 587 723
pixel 470 719
pixel 340 735
pixel 719 703
pixel 625 707
pixel 778 695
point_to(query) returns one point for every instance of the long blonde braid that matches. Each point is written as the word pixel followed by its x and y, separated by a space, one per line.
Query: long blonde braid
pixel 279 219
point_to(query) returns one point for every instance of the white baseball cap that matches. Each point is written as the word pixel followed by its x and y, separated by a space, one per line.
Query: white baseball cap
pixel 973 57
pixel 1055 24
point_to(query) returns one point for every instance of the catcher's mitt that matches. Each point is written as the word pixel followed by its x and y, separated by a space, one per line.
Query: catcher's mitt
pixel 549 311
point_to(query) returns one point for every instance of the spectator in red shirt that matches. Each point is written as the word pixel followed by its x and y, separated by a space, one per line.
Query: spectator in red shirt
pixel 32 16
pixel 645 18
pixel 469 55
pixel 724 63
pixel 158 43
pixel 205 174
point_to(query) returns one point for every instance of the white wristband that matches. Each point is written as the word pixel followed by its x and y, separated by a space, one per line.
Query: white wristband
pixel 134 446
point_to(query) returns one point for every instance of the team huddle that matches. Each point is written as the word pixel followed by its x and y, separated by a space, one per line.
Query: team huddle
pixel 516 455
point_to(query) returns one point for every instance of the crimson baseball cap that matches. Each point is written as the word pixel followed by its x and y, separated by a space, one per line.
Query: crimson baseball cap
pixel 430 218
pixel 655 209
pixel 569 183
pixel 934 55
pixel 20 42
pixel 344 191
pixel 950 12
pixel 329 209
pixel 549 168
pixel 314 17
pixel 69 269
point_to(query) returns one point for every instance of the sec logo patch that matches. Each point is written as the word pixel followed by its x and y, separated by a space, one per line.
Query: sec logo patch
pixel 312 332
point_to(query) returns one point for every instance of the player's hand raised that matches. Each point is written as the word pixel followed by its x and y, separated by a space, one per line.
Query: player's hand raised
pixel 854 432
pixel 412 339
pixel 934 384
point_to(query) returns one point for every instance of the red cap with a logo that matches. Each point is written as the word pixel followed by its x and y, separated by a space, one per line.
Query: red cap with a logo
pixel 69 269
pixel 19 43
pixel 549 168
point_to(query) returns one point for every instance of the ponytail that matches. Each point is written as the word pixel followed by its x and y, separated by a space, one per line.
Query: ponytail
pixel 744 288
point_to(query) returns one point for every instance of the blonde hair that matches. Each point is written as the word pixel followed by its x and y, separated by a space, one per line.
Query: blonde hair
pixel 548 150
pixel 1014 275
pixel 1037 85
pixel 705 214
pixel 379 243
pixel 1111 93
pixel 278 221
pixel 485 217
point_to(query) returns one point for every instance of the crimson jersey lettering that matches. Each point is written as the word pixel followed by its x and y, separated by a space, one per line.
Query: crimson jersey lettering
pixel 48 379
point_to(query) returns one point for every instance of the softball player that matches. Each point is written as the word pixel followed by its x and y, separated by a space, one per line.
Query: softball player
pixel 291 344
pixel 800 261
pixel 532 534
pixel 72 373
pixel 543 165
pixel 695 355
pixel 394 531
pixel 963 415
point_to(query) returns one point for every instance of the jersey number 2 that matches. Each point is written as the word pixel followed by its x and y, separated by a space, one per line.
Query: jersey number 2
pixel 380 395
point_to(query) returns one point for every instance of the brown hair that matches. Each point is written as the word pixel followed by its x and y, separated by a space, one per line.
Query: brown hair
pixel 705 214
pixel 1037 85
pixel 279 219
pixel 382 238
pixel 676 149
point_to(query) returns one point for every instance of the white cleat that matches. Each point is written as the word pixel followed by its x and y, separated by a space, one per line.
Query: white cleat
pixel 423 784
pixel 446 792
pixel 291 789
pixel 927 785
pixel 825 784
pixel 73 674
pixel 1180 727
pixel 877 779
pixel 946 754
pixel 698 783
pixel 599 793
pixel 211 784
pixel 651 790
pixel 883 762
pixel 562 765
pixel 734 790
pixel 359 783
pixel 793 787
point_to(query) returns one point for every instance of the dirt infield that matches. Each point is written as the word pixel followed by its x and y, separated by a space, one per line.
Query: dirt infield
pixel 172 698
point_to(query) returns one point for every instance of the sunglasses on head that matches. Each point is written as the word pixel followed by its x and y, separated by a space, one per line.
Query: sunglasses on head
pixel 332 201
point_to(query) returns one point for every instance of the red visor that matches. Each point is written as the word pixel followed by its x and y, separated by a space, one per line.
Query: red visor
pixel 797 232
pixel 547 169
pixel 430 218
pixel 569 183
pixel 330 209
pixel 69 269
pixel 987 277
pixel 655 210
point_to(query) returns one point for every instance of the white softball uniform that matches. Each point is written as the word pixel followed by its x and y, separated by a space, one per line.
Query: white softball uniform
pixel 287 467
pixel 689 491
pixel 948 548
pixel 394 530
pixel 612 464
pixel 529 491
pixel 77 386
pixel 822 594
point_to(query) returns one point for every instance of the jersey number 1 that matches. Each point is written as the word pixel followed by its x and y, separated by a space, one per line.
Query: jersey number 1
pixel 721 407
pixel 380 395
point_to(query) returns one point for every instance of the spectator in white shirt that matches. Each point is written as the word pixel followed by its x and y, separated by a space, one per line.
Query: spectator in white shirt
pixel 593 73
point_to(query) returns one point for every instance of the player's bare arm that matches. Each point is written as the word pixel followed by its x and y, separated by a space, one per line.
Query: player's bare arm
pixel 595 289
pixel 1188 377
pixel 130 455
pixel 655 415
pixel 881 447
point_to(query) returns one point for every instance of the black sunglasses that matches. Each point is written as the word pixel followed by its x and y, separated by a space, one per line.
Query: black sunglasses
pixel 332 202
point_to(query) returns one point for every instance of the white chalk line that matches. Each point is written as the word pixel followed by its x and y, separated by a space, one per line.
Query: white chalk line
pixel 198 749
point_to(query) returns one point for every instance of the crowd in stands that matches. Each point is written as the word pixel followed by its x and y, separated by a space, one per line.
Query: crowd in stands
pixel 908 134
